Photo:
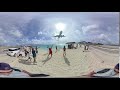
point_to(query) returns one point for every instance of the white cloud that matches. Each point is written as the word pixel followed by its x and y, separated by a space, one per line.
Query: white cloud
pixel 2 38
pixel 39 33
pixel 79 26
pixel 0 29
pixel 102 36
pixel 41 41
pixel 1 34
pixel 16 33
pixel 90 28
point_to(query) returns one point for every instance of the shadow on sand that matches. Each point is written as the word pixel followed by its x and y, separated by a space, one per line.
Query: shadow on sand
pixel 86 51
pixel 45 54
pixel 66 61
pixel 47 59
pixel 24 61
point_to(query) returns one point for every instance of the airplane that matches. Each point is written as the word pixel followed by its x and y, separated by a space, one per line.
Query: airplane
pixel 60 35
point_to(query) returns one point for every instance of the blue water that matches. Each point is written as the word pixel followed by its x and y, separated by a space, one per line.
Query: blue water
pixel 45 47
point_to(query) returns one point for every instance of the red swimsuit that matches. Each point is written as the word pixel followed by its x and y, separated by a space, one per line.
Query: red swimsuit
pixel 50 51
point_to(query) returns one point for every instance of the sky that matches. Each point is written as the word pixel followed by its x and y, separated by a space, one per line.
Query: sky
pixel 39 27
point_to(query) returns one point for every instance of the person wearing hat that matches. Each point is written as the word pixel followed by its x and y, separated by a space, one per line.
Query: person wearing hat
pixel 7 71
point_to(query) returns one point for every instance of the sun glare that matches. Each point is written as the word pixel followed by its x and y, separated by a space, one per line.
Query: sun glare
pixel 60 26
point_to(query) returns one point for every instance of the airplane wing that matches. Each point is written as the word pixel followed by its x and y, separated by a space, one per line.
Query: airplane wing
pixel 56 36
pixel 62 36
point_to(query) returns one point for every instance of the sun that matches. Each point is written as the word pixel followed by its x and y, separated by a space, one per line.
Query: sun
pixel 60 26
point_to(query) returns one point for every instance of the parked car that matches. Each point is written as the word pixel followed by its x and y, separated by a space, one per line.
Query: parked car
pixel 13 51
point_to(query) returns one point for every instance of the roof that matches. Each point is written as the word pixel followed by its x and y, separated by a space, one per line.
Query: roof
pixel 70 43
pixel 14 48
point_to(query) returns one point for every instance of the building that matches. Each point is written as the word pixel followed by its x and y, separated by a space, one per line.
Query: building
pixel 72 45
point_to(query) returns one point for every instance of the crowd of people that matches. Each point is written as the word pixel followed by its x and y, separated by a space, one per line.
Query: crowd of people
pixel 86 47
pixel 51 52
pixel 29 52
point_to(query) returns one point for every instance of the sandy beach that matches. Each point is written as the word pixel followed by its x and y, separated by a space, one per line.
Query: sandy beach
pixel 76 62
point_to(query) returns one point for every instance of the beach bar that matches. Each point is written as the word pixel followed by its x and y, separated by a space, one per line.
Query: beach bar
pixel 72 45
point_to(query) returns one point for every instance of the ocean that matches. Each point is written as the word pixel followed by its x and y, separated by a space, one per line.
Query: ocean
pixel 45 47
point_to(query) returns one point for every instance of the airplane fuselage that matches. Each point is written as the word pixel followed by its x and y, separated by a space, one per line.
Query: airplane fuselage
pixel 60 35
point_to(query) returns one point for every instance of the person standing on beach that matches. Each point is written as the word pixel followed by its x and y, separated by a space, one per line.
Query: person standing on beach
pixel 56 49
pixel 36 50
pixel 26 52
pixel 29 57
pixel 80 45
pixel 64 51
pixel 29 53
pixel 87 47
pixel 84 47
pixel 34 55
pixel 50 52
pixel 30 49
